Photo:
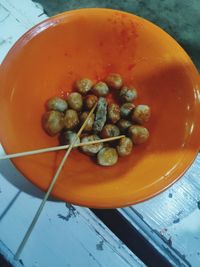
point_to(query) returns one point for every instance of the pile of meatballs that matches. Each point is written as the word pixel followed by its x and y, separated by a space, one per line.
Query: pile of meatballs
pixel 64 118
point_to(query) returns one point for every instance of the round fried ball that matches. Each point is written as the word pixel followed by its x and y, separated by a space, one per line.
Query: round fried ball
pixel 53 122
pixel 107 156
pixel 123 125
pixel 124 147
pixel 110 130
pixel 57 103
pixel 84 85
pixel 128 94
pixel 75 101
pixel 113 112
pixel 141 114
pixel 114 81
pixel 90 101
pixel 71 119
pixel 138 134
pixel 67 137
pixel 126 109
pixel 100 89
pixel 90 122
pixel 91 149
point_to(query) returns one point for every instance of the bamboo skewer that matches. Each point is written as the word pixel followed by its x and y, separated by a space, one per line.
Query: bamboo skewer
pixel 34 221
pixel 57 148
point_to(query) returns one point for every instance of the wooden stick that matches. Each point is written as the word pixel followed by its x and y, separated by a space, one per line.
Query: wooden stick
pixel 25 239
pixel 56 148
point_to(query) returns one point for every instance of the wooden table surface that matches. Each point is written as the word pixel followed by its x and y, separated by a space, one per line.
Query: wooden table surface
pixel 72 236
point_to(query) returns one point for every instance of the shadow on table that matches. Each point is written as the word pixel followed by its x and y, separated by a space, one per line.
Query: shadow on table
pixel 13 176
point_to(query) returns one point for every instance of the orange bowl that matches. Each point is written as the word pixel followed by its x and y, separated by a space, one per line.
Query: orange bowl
pixel 92 43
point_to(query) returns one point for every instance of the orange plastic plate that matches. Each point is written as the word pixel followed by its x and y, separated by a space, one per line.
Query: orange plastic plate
pixel 92 43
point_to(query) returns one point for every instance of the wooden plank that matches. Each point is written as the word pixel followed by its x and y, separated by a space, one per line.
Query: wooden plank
pixel 65 235
pixel 171 220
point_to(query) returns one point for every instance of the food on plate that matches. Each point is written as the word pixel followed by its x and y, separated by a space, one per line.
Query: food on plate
pixel 90 101
pixel 67 137
pixel 110 130
pixel 114 81
pixel 107 156
pixel 91 149
pixel 57 103
pixel 100 89
pixel 126 109
pixel 123 125
pixel 141 114
pixel 84 85
pixel 71 119
pixel 138 134
pixel 53 122
pixel 100 116
pixel 110 118
pixel 90 122
pixel 113 112
pixel 125 146
pixel 75 101
pixel 128 94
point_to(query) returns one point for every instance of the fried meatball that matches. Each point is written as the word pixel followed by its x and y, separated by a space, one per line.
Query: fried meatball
pixel 57 103
pixel 138 134
pixel 141 114
pixel 123 125
pixel 114 81
pixel 128 94
pixel 71 119
pixel 100 89
pixel 124 147
pixel 83 85
pixel 52 122
pixel 90 121
pixel 126 109
pixel 107 156
pixel 90 101
pixel 110 130
pixel 67 137
pixel 113 112
pixel 75 101
pixel 91 149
